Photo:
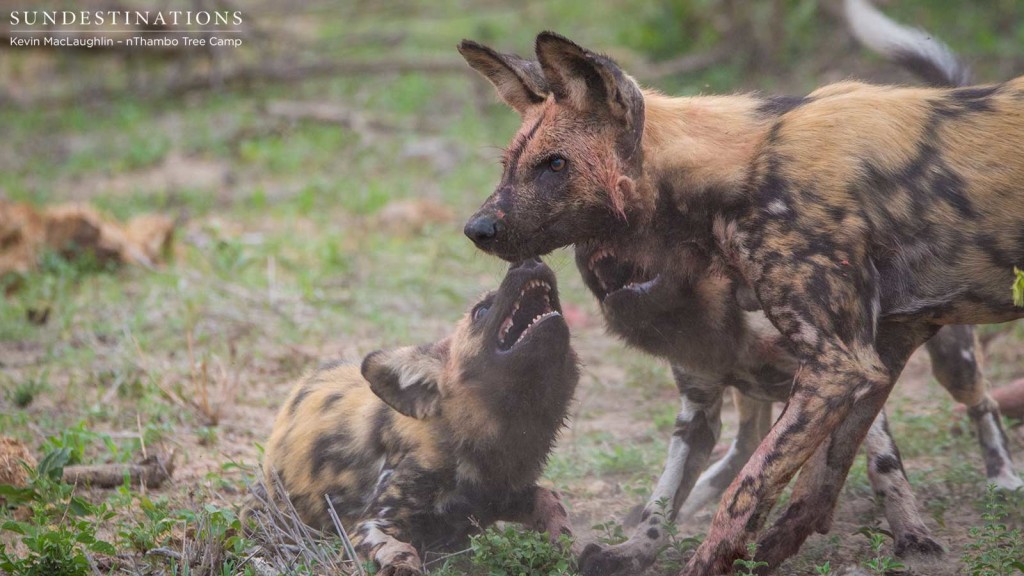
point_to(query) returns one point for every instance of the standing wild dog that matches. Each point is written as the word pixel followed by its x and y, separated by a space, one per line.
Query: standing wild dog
pixel 421 445
pixel 690 317
pixel 863 217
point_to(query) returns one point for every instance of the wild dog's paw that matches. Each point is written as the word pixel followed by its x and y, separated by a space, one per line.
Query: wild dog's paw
pixel 399 570
pixel 624 560
pixel 918 545
pixel 399 560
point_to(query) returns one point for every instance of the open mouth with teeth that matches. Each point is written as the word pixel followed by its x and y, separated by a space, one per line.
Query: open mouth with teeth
pixel 536 303
pixel 610 274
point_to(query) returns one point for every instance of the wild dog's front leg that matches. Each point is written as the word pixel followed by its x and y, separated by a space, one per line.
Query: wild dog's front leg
pixel 378 538
pixel 826 304
pixel 823 397
pixel 817 490
pixel 755 421
pixel 955 363
pixel 697 428
pixel 383 535
pixel 541 510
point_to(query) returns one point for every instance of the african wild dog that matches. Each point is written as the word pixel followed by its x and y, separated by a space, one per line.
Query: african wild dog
pixel 864 218
pixel 691 318
pixel 421 445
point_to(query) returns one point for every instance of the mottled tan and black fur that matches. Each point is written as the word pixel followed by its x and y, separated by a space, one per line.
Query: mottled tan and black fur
pixel 419 446
pixel 689 316
pixel 864 218
pixel 692 320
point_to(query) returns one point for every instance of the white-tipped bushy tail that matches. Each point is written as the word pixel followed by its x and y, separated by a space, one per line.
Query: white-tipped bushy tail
pixel 913 48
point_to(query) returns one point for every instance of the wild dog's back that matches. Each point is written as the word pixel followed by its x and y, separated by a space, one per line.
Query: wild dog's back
pixel 907 173
pixel 331 436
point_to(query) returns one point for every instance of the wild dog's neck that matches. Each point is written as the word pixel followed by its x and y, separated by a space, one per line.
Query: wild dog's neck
pixel 702 143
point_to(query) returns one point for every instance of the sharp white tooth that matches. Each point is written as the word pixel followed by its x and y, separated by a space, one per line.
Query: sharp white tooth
pixel 505 326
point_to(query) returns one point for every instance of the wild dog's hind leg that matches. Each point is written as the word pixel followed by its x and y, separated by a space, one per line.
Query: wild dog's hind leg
pixel 755 421
pixel 697 428
pixel 817 489
pixel 955 363
pixel 889 481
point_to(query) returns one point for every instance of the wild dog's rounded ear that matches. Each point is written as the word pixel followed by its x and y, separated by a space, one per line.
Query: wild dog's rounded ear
pixel 520 83
pixel 406 378
pixel 585 80
pixel 594 83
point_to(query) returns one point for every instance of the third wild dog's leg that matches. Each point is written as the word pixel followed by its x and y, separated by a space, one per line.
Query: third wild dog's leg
pixel 954 354
pixel 817 489
pixel 889 481
pixel 697 428
pixel 755 422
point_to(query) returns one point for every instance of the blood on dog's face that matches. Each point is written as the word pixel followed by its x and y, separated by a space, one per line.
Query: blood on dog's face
pixel 569 174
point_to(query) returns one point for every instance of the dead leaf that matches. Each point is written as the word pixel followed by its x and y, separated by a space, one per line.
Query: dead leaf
pixel 12 453
pixel 76 229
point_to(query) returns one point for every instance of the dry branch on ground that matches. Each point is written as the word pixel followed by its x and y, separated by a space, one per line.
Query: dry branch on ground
pixel 151 472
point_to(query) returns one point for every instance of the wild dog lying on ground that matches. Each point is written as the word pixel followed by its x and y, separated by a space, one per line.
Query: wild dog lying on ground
pixel 690 318
pixel 864 217
pixel 421 445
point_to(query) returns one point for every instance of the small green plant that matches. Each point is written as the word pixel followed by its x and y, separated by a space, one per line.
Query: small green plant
pixel 678 547
pixel 150 530
pixel 1018 287
pixel 609 533
pixel 207 435
pixel 996 549
pixel 823 569
pixel 25 391
pixel 511 552
pixel 879 563
pixel 748 566
pixel 61 533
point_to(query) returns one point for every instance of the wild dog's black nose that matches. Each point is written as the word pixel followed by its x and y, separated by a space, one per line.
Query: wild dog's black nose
pixel 482 230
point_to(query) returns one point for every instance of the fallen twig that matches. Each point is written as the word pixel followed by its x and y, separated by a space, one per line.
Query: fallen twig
pixel 151 471
pixel 165 552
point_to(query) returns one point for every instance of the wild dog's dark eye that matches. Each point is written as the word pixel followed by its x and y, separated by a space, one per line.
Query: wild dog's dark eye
pixel 557 164
pixel 480 312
